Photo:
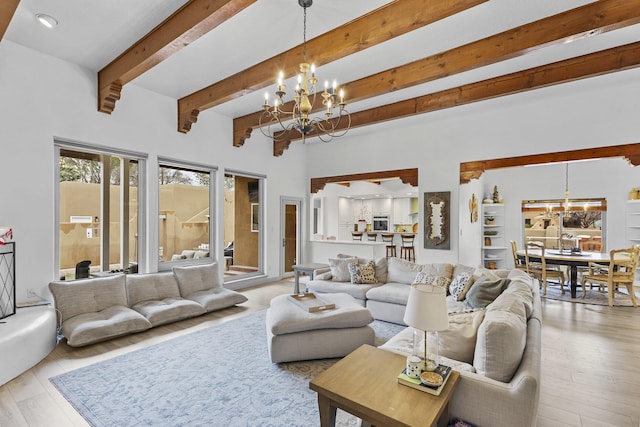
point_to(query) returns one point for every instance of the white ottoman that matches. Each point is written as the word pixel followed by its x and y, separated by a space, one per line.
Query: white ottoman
pixel 295 334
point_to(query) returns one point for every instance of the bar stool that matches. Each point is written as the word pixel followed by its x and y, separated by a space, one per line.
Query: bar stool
pixel 391 247
pixel 372 237
pixel 356 235
pixel 407 250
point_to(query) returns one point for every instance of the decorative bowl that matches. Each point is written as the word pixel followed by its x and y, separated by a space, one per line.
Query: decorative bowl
pixel 431 379
pixel 491 232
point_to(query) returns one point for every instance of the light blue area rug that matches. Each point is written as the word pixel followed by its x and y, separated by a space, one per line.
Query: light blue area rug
pixel 219 376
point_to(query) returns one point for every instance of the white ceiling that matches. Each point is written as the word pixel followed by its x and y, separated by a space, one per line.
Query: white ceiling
pixel 91 33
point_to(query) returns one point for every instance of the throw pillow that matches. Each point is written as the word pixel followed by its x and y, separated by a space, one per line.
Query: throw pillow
pixel 363 274
pixel 439 269
pixel 428 279
pixel 196 278
pixel 466 288
pixel 340 268
pixel 484 291
pixel 482 271
pixel 380 265
pixel 458 341
pixel 459 285
pixel 461 268
pixel 200 254
pixel 402 271
pixel 501 339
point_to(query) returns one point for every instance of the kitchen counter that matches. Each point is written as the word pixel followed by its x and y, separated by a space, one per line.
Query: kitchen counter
pixel 322 250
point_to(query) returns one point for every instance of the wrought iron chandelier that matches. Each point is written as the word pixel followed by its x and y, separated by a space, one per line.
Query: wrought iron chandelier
pixel 300 119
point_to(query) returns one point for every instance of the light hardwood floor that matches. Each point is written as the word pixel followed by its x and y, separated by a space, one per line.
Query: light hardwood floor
pixel 590 365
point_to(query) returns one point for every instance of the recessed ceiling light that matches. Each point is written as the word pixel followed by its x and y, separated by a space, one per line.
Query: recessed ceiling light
pixel 46 20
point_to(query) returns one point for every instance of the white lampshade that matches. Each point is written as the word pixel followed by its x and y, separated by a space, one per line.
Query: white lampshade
pixel 427 308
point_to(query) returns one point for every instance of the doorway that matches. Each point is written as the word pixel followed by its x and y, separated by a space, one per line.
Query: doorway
pixel 290 209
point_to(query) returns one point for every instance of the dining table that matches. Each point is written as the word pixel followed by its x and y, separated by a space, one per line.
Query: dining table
pixel 573 260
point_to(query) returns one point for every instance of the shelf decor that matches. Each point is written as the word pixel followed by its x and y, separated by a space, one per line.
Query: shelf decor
pixel 494 248
pixel 436 221
pixel 473 208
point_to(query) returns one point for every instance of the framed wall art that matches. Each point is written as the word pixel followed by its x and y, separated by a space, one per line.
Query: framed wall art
pixel 436 221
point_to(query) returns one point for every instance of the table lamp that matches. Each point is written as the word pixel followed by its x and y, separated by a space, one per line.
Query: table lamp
pixel 427 311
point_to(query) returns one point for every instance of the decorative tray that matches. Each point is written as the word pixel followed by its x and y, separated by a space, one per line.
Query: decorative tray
pixel 311 302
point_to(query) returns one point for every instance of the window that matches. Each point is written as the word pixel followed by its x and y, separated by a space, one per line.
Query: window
pixel 243 226
pixel 184 207
pixel 549 221
pixel 98 210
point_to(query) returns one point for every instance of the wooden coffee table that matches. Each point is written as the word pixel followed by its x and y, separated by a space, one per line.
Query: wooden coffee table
pixel 365 384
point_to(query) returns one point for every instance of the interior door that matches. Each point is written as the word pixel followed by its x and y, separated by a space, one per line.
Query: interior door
pixel 290 234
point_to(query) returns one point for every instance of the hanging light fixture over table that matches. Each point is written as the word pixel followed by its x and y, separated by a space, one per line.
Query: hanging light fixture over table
pixel 567 205
pixel 304 101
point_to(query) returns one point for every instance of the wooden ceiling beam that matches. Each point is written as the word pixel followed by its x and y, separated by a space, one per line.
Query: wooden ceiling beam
pixel 585 21
pixel 407 176
pixel 594 64
pixel 187 24
pixel 383 24
pixel 7 9
pixel 472 170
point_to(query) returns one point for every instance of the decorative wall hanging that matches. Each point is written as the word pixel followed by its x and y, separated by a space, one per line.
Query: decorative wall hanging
pixel 436 209
pixel 473 208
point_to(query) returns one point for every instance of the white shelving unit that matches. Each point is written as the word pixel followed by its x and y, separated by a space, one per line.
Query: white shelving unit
pixel 633 222
pixel 494 245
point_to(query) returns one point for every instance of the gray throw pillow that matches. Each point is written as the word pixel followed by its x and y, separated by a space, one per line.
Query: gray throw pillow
pixel 340 268
pixel 484 291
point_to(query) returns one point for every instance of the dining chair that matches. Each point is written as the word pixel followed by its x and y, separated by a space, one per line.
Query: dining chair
pixel 356 235
pixel 621 270
pixel 537 265
pixel 591 245
pixel 390 246
pixel 407 250
pixel 372 237
pixel 519 263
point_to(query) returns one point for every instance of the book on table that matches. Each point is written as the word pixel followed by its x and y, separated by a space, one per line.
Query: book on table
pixel 442 370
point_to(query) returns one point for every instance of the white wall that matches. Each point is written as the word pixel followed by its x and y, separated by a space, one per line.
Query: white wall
pixel 594 112
pixel 43 97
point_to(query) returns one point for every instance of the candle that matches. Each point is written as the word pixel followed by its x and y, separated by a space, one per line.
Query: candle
pixel 280 80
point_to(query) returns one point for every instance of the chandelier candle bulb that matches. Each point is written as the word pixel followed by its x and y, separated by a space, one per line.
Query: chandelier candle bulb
pixel 304 100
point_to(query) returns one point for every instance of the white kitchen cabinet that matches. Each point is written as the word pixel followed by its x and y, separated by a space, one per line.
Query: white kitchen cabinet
pixel 381 206
pixel 362 210
pixel 345 210
pixel 402 211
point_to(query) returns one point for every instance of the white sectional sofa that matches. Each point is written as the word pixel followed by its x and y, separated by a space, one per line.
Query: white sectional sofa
pixel 101 308
pixel 493 340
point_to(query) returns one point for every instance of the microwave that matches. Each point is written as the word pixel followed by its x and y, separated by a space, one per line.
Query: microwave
pixel 380 223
